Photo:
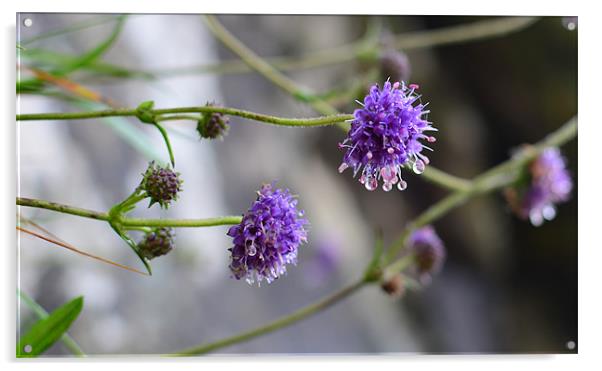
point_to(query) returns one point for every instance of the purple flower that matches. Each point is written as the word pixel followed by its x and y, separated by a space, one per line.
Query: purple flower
pixel 428 250
pixel 267 238
pixel 325 259
pixel 550 183
pixel 386 135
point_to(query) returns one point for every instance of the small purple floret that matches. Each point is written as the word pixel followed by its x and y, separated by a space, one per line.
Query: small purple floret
pixel 550 184
pixel 385 135
pixel 429 252
pixel 268 236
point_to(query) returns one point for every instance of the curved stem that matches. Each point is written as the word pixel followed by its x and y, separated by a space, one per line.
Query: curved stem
pixel 167 143
pixel 282 121
pixel 128 222
pixel 277 324
pixel 268 71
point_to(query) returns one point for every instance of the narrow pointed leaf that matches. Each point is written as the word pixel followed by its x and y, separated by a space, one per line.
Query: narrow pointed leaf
pixel 44 333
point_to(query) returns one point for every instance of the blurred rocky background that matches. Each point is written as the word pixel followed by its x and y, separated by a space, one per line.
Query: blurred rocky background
pixel 506 287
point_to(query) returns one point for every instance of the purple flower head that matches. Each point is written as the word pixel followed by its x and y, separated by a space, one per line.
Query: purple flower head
pixel 428 250
pixel 386 135
pixel 213 125
pixel 550 184
pixel 161 184
pixel 267 238
pixel 157 243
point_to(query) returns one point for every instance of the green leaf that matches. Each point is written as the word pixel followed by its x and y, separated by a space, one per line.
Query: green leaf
pixel 44 333
pixel 42 314
pixel 96 52
pixel 73 27
pixel 66 65
pixel 373 271
pixel 132 244
pixel 51 60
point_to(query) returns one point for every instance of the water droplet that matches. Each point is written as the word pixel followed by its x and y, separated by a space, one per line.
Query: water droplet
pixel 371 184
pixel 419 167
pixel 369 155
pixel 342 167
pixel 363 179
pixel 251 250
pixel 536 218
pixel 549 212
pixel 402 185
pixel 387 187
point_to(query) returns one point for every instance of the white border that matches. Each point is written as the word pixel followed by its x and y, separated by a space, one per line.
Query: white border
pixel 589 133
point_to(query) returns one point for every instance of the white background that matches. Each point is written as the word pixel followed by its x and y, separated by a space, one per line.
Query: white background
pixel 590 257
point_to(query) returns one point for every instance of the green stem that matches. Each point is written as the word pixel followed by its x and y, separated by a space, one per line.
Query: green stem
pixel 65 209
pixel 41 313
pixel 178 117
pixel 479 30
pixel 277 324
pixel 282 121
pixel 167 143
pixel 268 71
pixel 400 265
pixel 181 223
pixel 445 180
pixel 128 222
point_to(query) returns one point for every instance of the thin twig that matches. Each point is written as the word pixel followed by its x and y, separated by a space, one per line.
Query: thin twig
pixel 74 249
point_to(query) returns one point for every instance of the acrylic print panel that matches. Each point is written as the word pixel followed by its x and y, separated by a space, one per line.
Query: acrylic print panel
pixel 266 184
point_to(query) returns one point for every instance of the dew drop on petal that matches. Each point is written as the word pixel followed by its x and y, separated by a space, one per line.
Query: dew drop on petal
pixel 402 185
pixel 363 179
pixel 419 167
pixel 251 250
pixel 536 218
pixel 387 187
pixel 549 212
pixel 371 184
